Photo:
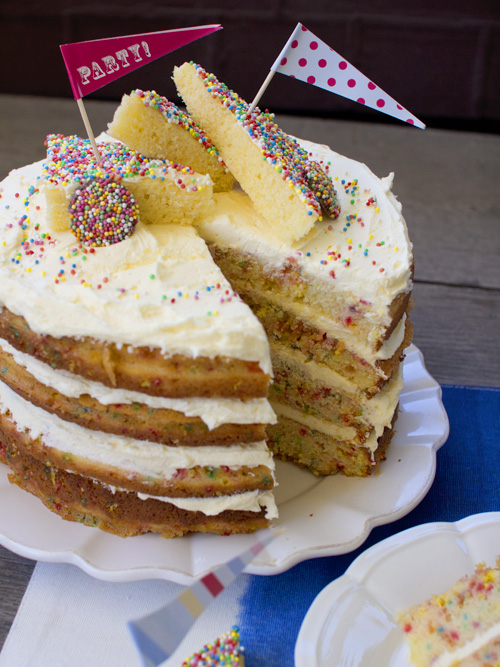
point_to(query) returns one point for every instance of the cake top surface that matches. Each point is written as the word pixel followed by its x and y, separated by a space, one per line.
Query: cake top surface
pixel 157 288
pixel 70 160
pixel 365 252
pixel 278 148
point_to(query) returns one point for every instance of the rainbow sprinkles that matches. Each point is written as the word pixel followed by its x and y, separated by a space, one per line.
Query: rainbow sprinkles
pixel 164 191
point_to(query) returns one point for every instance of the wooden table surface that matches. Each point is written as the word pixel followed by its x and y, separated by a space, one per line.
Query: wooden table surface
pixel 448 184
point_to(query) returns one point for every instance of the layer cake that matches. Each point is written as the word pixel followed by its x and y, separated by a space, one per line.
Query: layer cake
pixel 134 379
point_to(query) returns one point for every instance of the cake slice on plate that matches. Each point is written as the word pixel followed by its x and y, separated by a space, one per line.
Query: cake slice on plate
pixel 460 626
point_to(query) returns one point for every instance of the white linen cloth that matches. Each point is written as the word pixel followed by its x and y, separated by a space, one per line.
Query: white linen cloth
pixel 69 619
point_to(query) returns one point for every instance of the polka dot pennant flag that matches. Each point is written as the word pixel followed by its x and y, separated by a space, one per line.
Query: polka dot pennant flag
pixel 307 58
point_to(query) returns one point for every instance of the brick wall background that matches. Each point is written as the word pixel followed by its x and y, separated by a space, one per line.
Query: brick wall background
pixel 439 58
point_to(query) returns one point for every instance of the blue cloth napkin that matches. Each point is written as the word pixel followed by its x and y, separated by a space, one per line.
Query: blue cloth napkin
pixel 272 608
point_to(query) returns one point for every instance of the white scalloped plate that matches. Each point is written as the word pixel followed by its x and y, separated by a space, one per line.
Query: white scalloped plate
pixel 351 621
pixel 322 516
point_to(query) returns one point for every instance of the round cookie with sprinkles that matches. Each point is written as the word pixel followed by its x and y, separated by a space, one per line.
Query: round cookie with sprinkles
pixel 102 212
pixel 225 650
pixel 321 184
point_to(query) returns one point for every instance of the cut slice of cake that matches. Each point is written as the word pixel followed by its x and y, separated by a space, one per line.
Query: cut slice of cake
pixel 458 627
pixel 269 165
pixel 152 125
pixel 134 379
pixel 165 191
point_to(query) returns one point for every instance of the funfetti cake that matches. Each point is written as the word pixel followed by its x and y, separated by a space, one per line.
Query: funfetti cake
pixel 333 299
pixel 133 378
pixel 460 626
pixel 154 126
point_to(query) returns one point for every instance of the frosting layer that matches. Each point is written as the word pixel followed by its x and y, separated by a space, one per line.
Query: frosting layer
pixel 137 457
pixel 213 411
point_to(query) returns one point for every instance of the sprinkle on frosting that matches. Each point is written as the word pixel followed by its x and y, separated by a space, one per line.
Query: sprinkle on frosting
pixel 102 212
pixel 173 114
pixel 279 149
pixel 225 650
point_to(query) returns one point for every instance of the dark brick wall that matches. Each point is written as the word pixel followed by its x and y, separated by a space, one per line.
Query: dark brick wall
pixel 440 59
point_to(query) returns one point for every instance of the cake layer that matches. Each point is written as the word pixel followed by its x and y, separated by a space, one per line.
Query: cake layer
pixel 269 164
pixel 323 454
pixel 140 369
pixel 131 464
pixel 312 391
pixel 310 343
pixel 123 513
pixel 153 126
pixel 158 290
pixel 166 192
pixel 190 422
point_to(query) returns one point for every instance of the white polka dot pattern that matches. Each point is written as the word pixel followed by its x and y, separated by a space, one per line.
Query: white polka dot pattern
pixel 307 58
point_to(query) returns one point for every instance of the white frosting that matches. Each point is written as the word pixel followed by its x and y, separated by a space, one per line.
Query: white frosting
pixel 252 501
pixel 213 411
pixel 128 455
pixel 158 288
pixel 369 235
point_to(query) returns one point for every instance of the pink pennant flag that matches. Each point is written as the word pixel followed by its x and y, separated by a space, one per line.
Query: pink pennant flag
pixel 95 63
pixel 309 59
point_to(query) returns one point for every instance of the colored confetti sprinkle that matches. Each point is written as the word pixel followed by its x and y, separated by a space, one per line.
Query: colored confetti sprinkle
pixel 103 212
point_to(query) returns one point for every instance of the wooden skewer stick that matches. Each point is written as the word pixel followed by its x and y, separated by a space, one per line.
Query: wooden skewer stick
pixel 267 81
pixel 86 122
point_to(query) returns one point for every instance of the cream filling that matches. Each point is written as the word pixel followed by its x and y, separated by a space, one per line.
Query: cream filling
pixel 450 658
pixel 213 411
pixel 380 411
pixel 377 410
pixel 144 458
pixel 252 501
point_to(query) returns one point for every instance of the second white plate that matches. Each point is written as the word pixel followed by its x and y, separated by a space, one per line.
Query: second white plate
pixel 322 516
pixel 351 622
